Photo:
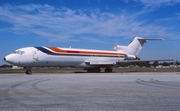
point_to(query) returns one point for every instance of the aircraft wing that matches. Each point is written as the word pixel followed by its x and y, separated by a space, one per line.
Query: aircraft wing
pixel 133 61
pixel 116 63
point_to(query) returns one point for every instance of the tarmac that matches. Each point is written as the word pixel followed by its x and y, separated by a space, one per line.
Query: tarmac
pixel 81 70
pixel 150 91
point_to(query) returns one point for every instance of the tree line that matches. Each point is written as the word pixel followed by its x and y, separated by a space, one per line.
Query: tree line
pixel 6 66
pixel 154 64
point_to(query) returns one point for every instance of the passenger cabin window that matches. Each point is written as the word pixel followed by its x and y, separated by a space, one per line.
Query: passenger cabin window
pixel 20 52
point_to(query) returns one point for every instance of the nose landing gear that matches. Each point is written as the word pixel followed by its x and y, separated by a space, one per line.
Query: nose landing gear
pixel 28 72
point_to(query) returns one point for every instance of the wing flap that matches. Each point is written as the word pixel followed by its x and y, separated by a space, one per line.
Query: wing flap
pixel 100 63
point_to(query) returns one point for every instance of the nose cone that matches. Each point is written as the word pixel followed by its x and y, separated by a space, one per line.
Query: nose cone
pixel 9 59
pixel 4 58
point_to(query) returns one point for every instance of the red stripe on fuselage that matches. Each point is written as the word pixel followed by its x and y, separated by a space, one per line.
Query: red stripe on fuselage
pixel 70 51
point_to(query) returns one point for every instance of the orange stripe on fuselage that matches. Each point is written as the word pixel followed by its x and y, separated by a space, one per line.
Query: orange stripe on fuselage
pixel 55 49
pixel 58 50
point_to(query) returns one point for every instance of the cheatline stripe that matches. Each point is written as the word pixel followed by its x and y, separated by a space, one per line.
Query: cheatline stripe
pixel 44 50
pixel 57 51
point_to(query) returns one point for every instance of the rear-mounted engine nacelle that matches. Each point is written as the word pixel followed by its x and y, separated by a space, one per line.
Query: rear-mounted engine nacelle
pixel 119 47
pixel 131 57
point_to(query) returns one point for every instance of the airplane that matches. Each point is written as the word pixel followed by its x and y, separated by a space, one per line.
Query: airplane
pixel 91 60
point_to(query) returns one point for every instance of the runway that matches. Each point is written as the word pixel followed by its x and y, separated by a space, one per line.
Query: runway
pixel 90 92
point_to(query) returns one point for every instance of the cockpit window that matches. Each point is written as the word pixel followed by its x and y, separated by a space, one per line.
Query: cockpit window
pixel 20 52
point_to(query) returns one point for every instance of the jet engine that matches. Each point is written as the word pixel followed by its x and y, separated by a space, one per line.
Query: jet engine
pixel 131 57
pixel 119 47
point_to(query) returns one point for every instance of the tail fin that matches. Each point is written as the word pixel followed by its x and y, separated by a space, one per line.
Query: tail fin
pixel 135 46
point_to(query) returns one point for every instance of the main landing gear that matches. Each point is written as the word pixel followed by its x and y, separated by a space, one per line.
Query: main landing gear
pixel 94 70
pixel 108 69
pixel 97 70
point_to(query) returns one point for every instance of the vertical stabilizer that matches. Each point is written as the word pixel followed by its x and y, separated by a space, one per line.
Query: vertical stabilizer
pixel 133 49
pixel 136 45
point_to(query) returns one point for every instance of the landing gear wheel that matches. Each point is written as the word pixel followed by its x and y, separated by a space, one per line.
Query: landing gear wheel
pixel 108 70
pixel 94 70
pixel 28 72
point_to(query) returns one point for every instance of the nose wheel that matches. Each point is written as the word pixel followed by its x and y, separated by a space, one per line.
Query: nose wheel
pixel 28 72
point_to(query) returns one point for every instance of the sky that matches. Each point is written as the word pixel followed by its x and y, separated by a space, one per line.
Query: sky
pixel 91 24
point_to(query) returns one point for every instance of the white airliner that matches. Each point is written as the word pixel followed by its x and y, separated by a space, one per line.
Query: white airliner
pixel 92 60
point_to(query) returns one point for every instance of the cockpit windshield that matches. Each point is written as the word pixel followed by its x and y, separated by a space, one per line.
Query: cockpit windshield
pixel 20 52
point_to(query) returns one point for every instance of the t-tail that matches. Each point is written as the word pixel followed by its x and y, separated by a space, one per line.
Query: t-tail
pixel 133 49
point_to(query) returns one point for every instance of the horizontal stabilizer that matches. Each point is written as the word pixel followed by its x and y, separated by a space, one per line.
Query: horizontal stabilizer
pixel 146 39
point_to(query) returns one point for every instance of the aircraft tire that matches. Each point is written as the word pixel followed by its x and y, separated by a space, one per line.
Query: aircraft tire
pixel 108 70
pixel 94 70
pixel 28 72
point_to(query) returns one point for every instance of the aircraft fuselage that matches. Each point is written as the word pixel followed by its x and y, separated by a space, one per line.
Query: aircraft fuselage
pixel 59 57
